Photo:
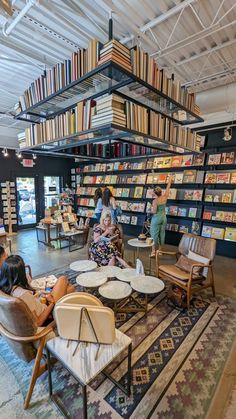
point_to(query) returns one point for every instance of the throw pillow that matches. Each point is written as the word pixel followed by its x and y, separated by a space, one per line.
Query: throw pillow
pixel 198 258
pixel 185 263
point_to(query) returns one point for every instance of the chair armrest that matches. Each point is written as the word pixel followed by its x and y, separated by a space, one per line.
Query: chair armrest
pixel 161 252
pixel 46 330
pixel 198 265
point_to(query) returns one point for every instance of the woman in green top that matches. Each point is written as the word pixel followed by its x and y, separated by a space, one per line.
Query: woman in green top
pixel 158 222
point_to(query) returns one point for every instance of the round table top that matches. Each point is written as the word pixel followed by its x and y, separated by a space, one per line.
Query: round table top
pixel 115 290
pixel 147 284
pixel 138 243
pixel 83 265
pixel 126 274
pixel 91 279
pixel 110 271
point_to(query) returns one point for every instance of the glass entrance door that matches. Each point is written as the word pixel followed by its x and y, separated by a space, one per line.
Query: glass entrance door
pixel 26 207
pixel 51 191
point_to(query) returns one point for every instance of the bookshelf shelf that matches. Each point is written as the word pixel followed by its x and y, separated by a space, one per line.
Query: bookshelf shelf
pixel 107 78
pixel 107 134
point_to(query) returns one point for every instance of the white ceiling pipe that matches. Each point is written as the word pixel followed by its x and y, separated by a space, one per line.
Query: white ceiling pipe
pixel 8 29
pixel 159 19
pixel 221 98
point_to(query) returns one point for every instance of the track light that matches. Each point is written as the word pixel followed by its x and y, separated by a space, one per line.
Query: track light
pixel 34 156
pixel 5 152
pixel 19 154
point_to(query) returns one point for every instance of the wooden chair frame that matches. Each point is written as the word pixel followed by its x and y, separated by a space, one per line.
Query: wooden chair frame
pixel 37 368
pixel 191 286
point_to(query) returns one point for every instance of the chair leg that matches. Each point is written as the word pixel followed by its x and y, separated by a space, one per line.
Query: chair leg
pixel 35 373
pixel 213 283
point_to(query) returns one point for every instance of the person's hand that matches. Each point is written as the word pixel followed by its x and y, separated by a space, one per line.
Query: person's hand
pixel 50 298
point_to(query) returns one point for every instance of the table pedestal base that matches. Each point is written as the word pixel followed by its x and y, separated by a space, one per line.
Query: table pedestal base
pixel 122 306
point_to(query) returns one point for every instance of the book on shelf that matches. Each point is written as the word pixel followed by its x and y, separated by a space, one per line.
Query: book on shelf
pixel 195 227
pixel 149 193
pixel 192 212
pixel 214 159
pixel 172 193
pixel 228 217
pixel 187 160
pixel 210 177
pixel 206 231
pixel 183 228
pixel 134 220
pixel 222 177
pixel 198 159
pixel 230 234
pixel 226 197
pixel 172 210
pixel 178 177
pixel 176 161
pixel 188 195
pixel 233 178
pixel 189 176
pixel 182 212
pixel 228 158
pixel 207 215
pixel 138 192
pixel 217 233
pixel 116 52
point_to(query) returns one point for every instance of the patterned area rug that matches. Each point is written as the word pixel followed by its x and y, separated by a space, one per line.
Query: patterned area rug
pixel 177 359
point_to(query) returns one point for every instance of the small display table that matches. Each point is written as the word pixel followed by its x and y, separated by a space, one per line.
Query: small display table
pixel 116 291
pixel 147 285
pixel 84 366
pixel 92 279
pixel 138 244
pixel 83 265
pixel 73 238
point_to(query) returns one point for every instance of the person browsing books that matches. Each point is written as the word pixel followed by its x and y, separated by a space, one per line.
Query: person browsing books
pixel 14 282
pixel 105 247
pixel 98 203
pixel 109 204
pixel 158 221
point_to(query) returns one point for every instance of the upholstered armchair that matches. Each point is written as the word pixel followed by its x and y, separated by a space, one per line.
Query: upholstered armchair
pixel 193 270
pixel 18 328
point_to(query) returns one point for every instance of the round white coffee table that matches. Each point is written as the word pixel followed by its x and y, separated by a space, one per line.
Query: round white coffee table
pixel 92 279
pixel 83 265
pixel 126 274
pixel 146 284
pixel 138 244
pixel 117 292
pixel 110 271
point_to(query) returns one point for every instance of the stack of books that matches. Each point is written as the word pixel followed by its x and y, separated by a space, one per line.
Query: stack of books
pixel 116 52
pixel 109 110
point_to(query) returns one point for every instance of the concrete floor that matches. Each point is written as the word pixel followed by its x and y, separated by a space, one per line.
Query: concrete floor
pixel 43 259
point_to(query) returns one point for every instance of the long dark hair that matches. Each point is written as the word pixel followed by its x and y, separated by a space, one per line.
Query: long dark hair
pixel 13 274
pixel 106 195
pixel 97 195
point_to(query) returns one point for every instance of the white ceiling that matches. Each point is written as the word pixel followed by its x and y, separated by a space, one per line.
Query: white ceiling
pixel 195 39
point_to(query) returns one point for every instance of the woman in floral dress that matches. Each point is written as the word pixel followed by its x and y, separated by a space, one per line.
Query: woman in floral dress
pixel 104 248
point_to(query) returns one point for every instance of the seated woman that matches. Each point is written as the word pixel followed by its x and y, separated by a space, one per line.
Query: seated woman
pixel 14 282
pixel 104 248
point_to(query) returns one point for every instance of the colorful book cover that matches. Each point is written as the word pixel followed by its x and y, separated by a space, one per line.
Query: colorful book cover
pixel 210 177
pixel 176 161
pixel 192 213
pixel 233 177
pixel 172 193
pixel 197 195
pixel 234 197
pixel 149 193
pixel 125 192
pixel 182 212
pixel 113 179
pixel 198 159
pixel 223 177
pixel 228 158
pixel 118 192
pixel 207 215
pixel 206 231
pixel 234 217
pixel 218 233
pixel 138 192
pixel 183 229
pixel 195 228
pixel 134 220
pixel 173 210
pixel 220 216
pixel 162 178
pixel 208 197
pixel 226 197
pixel 150 179
pixel 141 179
pixel 187 160
pixel 228 217
pixel 166 162
pixel 214 159
pixel 189 176
pixel 217 197
pixel 178 177
pixel 188 195
pixel 230 234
